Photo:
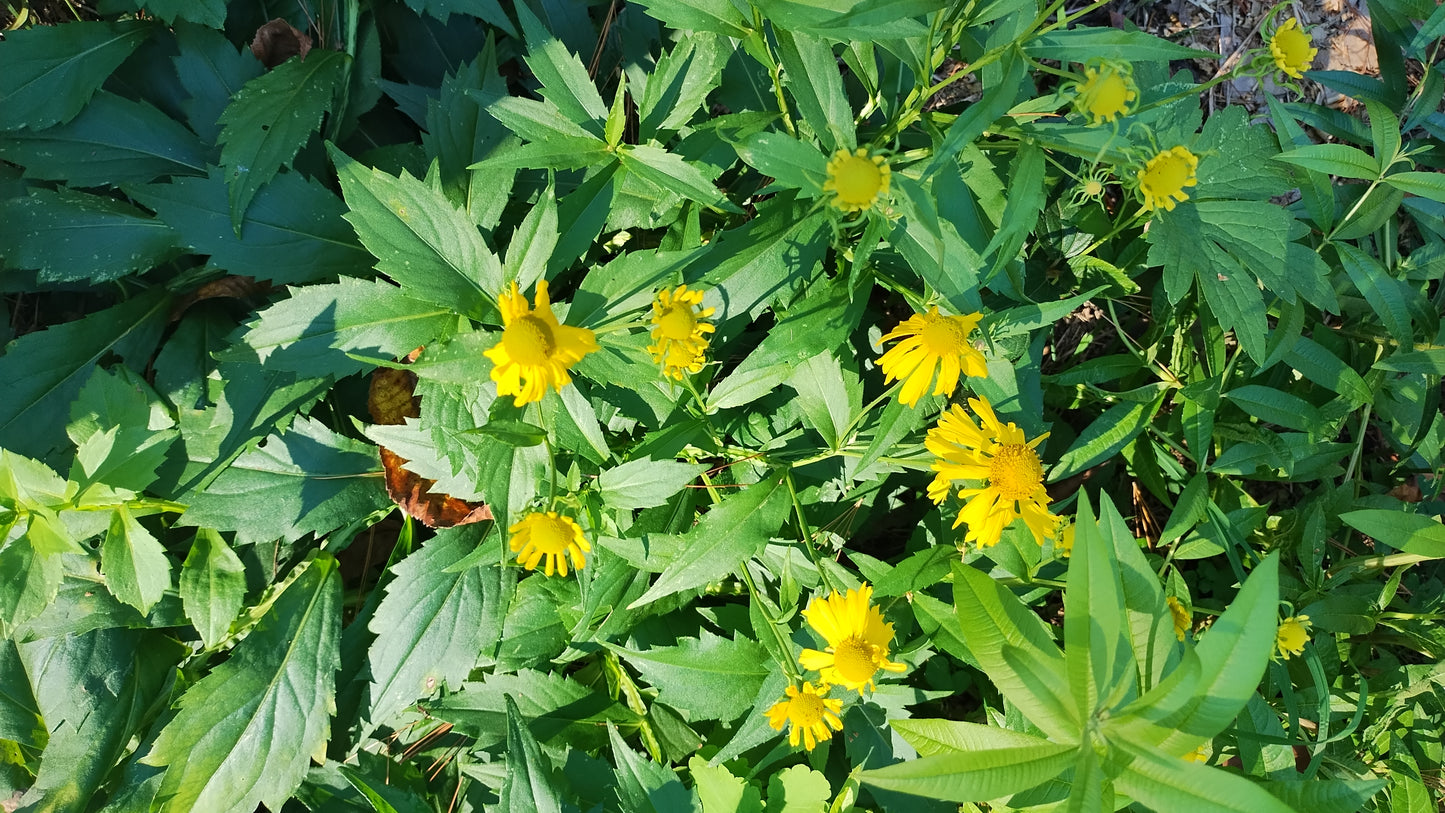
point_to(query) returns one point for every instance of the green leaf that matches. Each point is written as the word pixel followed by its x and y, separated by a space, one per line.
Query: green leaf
pixel 798 789
pixel 528 786
pixel 1084 43
pixel 1319 365
pixel 1096 650
pixel 1021 213
pixel 1332 795
pixel 557 709
pixel 786 160
pixel 680 83
pixel 52 71
pixel 429 247
pixel 1412 533
pixel 311 480
pixel 674 174
pixel 1383 292
pixel 294 232
pixel 1105 437
pixel 70 236
pixel 531 245
pixel 1427 362
pixel 975 775
pixel 995 102
pixel 943 737
pixel 204 12
pixel 113 141
pixel 20 718
pixel 812 79
pixel 45 369
pixel 1340 160
pixel 271 118
pixel 720 791
pixel 828 398
pixel 213 586
pixel 645 483
pixel 1276 407
pixel 727 536
pixel 136 568
pixel 460 132
pixel 1165 783
pixel 710 678
pixel 121 430
pixel 1425 184
pixel 384 796
pixel 211 70
pixel 321 329
pixel 564 79
pixel 243 735
pixel 717 16
pixel 427 635
pixel 32 578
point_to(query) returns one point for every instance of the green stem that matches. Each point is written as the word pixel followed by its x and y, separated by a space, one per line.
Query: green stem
pixel 784 645
pixel 806 530
pixel 551 459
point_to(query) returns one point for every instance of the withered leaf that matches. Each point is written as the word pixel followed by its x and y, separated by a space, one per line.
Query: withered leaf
pixel 278 41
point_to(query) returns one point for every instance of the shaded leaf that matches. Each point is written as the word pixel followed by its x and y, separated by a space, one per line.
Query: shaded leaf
pixel 52 70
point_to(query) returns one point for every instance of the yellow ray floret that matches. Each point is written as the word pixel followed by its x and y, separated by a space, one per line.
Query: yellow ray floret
pixel 1002 458
pixel 1183 619
pixel 549 538
pixel 679 331
pixel 857 639
pixel 809 713
pixel 536 349
pixel 931 341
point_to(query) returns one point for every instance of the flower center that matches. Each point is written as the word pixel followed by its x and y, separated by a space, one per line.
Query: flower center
pixel 1110 97
pixel 806 709
pixel 857 180
pixel 945 336
pixel 677 323
pixel 1015 471
pixel 551 534
pixel 529 341
pixel 1292 48
pixel 1292 635
pixel 853 658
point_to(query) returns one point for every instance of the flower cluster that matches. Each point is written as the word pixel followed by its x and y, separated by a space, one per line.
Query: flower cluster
pixel 858 640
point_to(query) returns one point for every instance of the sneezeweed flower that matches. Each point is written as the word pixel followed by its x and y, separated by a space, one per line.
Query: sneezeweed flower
pixel 1163 178
pixel 857 639
pixel 1291 48
pixel 1183 619
pixel 1002 458
pixel 535 350
pixel 1106 92
pixel 809 713
pixel 1293 634
pixel 1200 754
pixel 550 537
pixel 931 341
pixel 1064 539
pixel 856 180
pixel 679 332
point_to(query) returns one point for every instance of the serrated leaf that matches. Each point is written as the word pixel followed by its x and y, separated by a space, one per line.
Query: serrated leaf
pixel 243 735
pixel 32 578
pixel 1105 436
pixel 135 565
pixel 311 480
pixel 564 79
pixel 46 368
pixel 812 78
pixel 319 330
pixel 671 172
pixel 70 236
pixel 420 240
pixel 717 16
pixel 51 71
pixel 681 82
pixel 798 789
pixel 730 534
pixel 557 708
pixel 211 70
pixel 721 792
pixel 270 119
pixel 294 232
pixel 645 483
pixel 121 429
pixel 113 141
pixel 427 635
pixel 213 586
pixel 710 678
pixel 204 12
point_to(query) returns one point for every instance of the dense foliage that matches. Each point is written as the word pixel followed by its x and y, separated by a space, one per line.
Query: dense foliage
pixel 716 405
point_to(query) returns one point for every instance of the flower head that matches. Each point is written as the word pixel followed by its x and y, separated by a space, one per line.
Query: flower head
pixel 1183 619
pixel 1290 46
pixel 1163 178
pixel 679 334
pixel 809 712
pixel 1200 754
pixel 535 350
pixel 856 180
pixel 999 455
pixel 857 639
pixel 931 339
pixel 1064 541
pixel 552 537
pixel 1107 91
pixel 1293 634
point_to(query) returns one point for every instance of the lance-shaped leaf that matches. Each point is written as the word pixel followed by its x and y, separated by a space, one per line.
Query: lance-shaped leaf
pixel 565 82
pixel 271 118
pixel 1168 783
pixel 672 173
pixel 211 70
pixel 1095 648
pixel 428 246
pixel 135 565
pixel 730 534
pixel 51 71
pixel 70 236
pixel 645 483
pixel 976 775
pixel 243 735
pixel 528 786
pixel 213 586
pixel 711 678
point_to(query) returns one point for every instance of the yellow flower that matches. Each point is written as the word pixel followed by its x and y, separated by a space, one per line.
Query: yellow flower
pixel 1183 619
pixel 1163 179
pixel 1107 92
pixel 550 536
pixel 679 334
pixel 1064 541
pixel 1290 46
pixel 856 180
pixel 810 714
pixel 857 639
pixel 535 350
pixel 1200 754
pixel 1293 634
pixel 1000 456
pixel 928 340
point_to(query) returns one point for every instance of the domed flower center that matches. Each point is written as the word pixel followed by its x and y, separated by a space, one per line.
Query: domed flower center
pixel 1167 174
pixel 805 710
pixel 1111 96
pixel 1015 471
pixel 1292 50
pixel 552 534
pixel 677 323
pixel 855 659
pixel 1093 188
pixel 529 340
pixel 857 179
pixel 1292 635
pixel 945 335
